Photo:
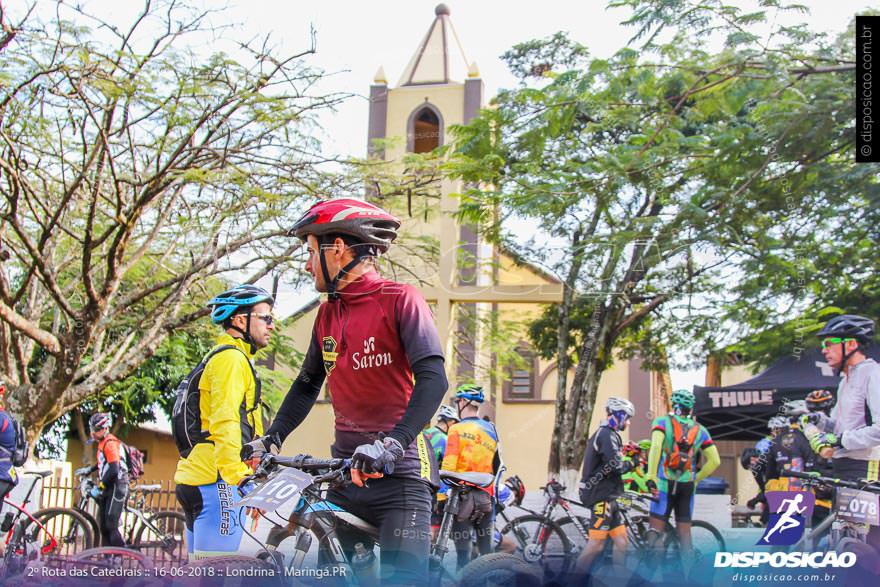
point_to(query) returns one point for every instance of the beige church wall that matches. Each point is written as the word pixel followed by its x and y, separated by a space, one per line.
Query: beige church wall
pixel 525 430
pixel 509 273
pixel 160 450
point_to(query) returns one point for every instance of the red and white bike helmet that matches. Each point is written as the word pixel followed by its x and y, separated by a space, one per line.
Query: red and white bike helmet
pixel 373 227
pixel 364 221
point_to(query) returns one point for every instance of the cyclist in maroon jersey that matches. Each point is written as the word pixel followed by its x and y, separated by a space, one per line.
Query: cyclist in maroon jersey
pixel 375 342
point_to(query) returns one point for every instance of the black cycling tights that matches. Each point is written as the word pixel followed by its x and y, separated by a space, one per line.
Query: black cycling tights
pixel 401 509
pixel 111 505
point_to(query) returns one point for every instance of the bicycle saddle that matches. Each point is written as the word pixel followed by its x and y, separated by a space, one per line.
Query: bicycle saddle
pixel 41 474
pixel 478 479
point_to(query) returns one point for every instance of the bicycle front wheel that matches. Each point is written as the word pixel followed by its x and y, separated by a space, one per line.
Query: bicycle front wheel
pixel 542 541
pixel 163 539
pixel 64 533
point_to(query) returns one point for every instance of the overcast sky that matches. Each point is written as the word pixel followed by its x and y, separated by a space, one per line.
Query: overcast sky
pixel 356 38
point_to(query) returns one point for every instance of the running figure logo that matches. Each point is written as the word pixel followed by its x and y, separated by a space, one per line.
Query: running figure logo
pixel 790 512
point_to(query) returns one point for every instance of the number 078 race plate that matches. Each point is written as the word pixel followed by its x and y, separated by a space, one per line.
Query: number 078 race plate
pixel 278 490
pixel 858 506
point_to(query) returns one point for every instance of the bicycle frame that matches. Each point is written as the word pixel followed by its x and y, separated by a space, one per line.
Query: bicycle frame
pixel 141 519
pixel 46 548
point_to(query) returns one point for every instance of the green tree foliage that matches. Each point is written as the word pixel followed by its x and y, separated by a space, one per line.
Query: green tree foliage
pixel 661 183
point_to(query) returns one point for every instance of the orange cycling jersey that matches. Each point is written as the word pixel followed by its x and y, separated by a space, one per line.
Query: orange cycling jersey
pixel 471 446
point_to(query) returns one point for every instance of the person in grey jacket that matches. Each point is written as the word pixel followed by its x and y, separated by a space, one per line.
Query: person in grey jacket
pixel 850 436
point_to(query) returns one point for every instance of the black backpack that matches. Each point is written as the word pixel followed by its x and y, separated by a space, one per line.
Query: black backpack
pixel 186 418
pixel 22 451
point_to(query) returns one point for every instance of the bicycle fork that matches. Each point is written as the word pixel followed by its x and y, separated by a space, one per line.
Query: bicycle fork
pixel 440 548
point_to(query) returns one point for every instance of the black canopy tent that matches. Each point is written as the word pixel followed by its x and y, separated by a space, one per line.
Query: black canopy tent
pixel 741 411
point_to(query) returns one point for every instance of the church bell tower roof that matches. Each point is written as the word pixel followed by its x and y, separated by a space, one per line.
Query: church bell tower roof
pixel 439 58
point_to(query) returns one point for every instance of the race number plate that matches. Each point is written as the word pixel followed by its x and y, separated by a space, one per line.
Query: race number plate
pixel 857 506
pixel 278 490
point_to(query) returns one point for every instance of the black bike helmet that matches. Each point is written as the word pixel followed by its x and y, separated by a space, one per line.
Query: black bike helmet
pixel 849 326
pixel 745 459
pixel 516 487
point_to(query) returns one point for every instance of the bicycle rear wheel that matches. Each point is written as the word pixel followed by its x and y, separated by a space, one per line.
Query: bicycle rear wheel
pixel 706 538
pixel 164 540
pixel 65 532
pixel 542 541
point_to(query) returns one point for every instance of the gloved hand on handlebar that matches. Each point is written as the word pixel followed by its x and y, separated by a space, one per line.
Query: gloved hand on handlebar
pixel 253 451
pixel 374 460
pixel 244 489
pixel 824 443
pixel 95 492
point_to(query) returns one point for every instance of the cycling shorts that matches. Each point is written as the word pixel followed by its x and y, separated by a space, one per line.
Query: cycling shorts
pixel 674 496
pixel 606 520
pixel 213 521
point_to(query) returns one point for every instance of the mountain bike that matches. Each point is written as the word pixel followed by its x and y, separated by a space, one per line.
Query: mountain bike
pixel 302 480
pixel 160 535
pixel 29 537
pixel 556 543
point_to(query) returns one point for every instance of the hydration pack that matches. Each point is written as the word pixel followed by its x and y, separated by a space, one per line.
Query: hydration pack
pixel 684 436
pixel 19 455
pixel 186 418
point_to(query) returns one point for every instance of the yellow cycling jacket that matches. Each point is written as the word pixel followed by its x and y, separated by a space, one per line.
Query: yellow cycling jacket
pixel 225 383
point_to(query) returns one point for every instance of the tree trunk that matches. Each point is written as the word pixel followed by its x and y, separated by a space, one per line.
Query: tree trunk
pixel 595 354
pixel 79 423
pixel 563 362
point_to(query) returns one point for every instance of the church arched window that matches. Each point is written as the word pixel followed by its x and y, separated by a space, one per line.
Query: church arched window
pixel 425 129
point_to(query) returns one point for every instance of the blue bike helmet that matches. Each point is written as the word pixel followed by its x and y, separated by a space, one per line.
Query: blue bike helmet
pixel 470 392
pixel 241 296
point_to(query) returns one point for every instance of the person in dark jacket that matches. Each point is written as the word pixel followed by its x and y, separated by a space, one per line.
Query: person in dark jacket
pixel 8 476
pixel 601 485
pixel 111 493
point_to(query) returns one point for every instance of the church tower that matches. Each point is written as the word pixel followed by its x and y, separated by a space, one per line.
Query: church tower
pixel 438 88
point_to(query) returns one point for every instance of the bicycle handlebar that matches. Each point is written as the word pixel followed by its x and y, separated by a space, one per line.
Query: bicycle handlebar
pixel 305 462
pixel 327 469
pixel 863 485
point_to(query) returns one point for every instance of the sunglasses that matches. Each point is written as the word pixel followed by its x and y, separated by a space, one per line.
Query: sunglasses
pixel 269 319
pixel 834 340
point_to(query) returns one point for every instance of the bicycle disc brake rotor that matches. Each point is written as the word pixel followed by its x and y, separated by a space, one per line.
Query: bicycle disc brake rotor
pixel 533 552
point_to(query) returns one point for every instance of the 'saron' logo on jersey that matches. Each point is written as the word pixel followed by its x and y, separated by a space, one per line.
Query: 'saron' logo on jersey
pixel 328 348
pixel 370 358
